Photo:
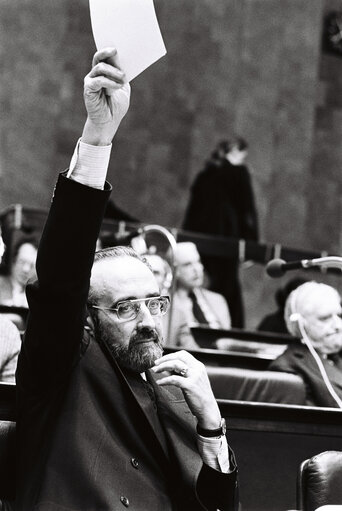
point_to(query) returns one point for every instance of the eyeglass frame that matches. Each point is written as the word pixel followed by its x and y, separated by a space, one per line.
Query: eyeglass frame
pixel 135 300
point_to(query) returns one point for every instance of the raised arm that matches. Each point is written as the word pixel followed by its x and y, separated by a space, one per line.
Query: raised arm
pixel 58 299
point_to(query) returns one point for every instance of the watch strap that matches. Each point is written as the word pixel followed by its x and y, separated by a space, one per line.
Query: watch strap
pixel 212 433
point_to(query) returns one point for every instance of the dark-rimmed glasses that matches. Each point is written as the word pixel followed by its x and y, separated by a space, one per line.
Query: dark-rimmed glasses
pixel 129 309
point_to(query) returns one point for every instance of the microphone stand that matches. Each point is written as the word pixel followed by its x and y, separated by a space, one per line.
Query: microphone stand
pixel 323 262
pixel 172 243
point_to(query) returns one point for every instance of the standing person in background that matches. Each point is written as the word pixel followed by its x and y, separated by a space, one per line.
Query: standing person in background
pixel 222 203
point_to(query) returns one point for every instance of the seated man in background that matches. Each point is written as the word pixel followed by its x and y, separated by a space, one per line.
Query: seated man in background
pixel 161 270
pixel 178 334
pixel 201 306
pixel 313 311
pixel 105 421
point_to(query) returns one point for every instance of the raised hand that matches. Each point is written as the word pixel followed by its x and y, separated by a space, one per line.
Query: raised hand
pixel 106 97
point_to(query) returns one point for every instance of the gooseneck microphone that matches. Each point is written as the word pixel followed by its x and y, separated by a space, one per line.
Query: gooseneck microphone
pixel 278 267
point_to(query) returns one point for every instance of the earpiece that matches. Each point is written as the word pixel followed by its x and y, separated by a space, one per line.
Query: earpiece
pixel 295 316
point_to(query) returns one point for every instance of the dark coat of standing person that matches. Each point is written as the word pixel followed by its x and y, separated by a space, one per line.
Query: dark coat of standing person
pixel 105 421
pixel 222 203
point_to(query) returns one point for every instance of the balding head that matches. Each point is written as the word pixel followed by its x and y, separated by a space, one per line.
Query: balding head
pixel 189 269
pixel 122 281
pixel 320 309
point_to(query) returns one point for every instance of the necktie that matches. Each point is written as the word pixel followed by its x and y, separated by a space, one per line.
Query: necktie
pixel 196 310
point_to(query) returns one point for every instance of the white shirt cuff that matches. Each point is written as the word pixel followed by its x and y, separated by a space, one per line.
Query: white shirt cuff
pixel 89 164
pixel 214 452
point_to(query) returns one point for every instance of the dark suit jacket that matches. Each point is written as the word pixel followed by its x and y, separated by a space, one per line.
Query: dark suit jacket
pixel 297 359
pixel 85 440
pixel 222 202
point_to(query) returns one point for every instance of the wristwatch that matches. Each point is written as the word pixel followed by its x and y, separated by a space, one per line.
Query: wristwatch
pixel 212 433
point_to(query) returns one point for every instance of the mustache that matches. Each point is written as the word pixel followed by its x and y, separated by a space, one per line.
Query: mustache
pixel 145 334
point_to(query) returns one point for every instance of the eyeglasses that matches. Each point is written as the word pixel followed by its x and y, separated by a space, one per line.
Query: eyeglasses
pixel 129 309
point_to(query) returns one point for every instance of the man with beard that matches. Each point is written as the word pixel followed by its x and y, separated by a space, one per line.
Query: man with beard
pixel 104 420
pixel 313 312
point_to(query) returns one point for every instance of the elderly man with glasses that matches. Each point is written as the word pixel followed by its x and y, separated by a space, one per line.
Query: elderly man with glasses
pixel 105 421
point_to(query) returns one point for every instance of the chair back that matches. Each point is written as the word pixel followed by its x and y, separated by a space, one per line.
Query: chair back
pixel 319 481
pixel 253 385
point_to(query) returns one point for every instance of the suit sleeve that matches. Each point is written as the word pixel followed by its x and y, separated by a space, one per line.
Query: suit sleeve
pixel 57 300
pixel 217 490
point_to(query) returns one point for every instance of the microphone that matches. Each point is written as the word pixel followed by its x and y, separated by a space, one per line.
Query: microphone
pixel 278 267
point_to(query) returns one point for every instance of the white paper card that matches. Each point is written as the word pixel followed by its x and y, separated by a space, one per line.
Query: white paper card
pixel 132 28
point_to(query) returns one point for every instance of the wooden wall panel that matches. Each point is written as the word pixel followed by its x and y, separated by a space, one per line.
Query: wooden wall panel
pixel 249 66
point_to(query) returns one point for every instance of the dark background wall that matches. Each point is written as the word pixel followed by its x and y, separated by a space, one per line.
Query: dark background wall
pixel 254 67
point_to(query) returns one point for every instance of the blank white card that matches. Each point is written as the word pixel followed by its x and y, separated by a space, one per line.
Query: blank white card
pixel 130 26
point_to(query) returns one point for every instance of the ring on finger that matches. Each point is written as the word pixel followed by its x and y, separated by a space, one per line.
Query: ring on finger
pixel 183 372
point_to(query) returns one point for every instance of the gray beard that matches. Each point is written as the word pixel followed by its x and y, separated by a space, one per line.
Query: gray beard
pixel 137 357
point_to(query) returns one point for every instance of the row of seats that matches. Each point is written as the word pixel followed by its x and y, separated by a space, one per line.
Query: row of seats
pixel 252 385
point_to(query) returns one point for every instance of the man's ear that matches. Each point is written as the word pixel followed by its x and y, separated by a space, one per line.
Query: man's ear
pixel 293 327
pixel 90 323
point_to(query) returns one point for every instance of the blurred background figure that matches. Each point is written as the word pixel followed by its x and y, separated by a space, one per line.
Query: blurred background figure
pixel 178 333
pixel 222 203
pixel 12 286
pixel 161 270
pixel 10 342
pixel 275 322
pixel 22 269
pixel 317 307
pixel 200 305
